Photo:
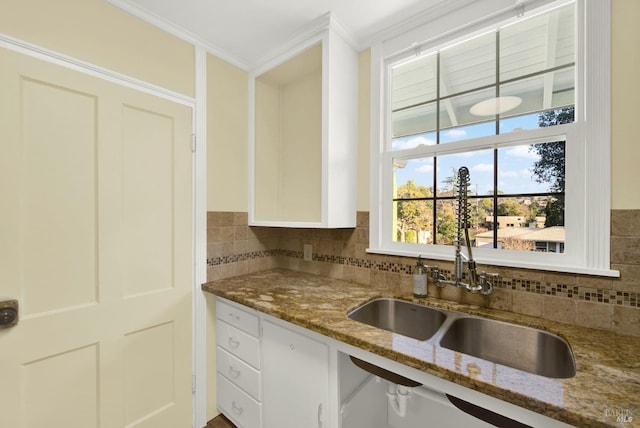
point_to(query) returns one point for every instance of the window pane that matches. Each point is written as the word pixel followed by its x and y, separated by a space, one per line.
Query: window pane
pixel 413 222
pixel 468 65
pixel 531 224
pixel 414 82
pixel 412 141
pixel 519 123
pixel 419 172
pixel 456 111
pixel 535 168
pixel 537 44
pixel 537 120
pixel 480 164
pixel 543 92
pixel 413 215
pixel 414 120
pixel 482 222
pixel 446 229
pixel 467 132
pixel 413 178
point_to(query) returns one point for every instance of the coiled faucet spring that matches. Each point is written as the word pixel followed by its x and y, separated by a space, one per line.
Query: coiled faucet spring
pixel 463 214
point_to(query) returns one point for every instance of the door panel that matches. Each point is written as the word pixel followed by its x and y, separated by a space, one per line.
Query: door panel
pixel 148 217
pixel 95 182
pixel 57 175
pixel 148 359
pixel 49 376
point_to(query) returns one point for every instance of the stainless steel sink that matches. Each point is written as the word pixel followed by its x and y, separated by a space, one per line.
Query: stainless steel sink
pixel 529 349
pixel 397 316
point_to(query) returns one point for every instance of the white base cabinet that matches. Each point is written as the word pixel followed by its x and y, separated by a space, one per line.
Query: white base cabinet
pixel 237 405
pixel 273 374
pixel 295 374
pixel 238 360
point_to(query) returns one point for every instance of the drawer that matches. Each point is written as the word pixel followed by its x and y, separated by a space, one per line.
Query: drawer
pixel 239 318
pixel 238 343
pixel 238 372
pixel 237 405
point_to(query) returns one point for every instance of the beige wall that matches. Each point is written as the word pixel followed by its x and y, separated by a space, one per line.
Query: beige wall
pixel 99 33
pixel 625 109
pixel 227 136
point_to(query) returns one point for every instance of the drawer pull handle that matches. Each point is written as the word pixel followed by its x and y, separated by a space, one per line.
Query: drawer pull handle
pixel 234 343
pixel 234 372
pixel 236 409
pixel 234 316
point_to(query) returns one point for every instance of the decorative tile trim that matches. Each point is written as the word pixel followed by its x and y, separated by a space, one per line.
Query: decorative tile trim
pixel 234 258
pixel 612 297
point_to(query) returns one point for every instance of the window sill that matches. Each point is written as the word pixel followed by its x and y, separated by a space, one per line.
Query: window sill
pixel 554 267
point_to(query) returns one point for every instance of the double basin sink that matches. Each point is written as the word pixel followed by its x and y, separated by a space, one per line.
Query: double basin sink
pixel 523 348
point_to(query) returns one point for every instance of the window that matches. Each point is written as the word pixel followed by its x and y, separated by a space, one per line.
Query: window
pixel 507 99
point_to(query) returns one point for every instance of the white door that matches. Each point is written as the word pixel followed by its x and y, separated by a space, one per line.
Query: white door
pixel 95 244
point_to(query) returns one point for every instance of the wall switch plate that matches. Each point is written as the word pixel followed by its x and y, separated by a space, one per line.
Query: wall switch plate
pixel 307 252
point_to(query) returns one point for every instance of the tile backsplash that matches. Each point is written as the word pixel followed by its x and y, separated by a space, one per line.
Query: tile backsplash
pixel 234 248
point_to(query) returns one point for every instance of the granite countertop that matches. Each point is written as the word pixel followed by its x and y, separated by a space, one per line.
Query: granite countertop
pixel 606 386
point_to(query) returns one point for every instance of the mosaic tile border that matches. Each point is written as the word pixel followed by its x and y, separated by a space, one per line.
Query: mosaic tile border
pixel 612 297
pixel 234 258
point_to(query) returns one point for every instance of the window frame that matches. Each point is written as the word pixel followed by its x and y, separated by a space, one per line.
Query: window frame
pixel 587 155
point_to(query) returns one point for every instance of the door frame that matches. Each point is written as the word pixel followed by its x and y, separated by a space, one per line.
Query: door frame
pixel 199 190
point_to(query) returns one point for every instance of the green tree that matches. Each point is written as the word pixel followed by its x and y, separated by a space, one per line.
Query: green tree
pixel 449 183
pixel 509 208
pixel 447 228
pixel 532 213
pixel 550 167
pixel 486 206
pixel 554 212
pixel 411 214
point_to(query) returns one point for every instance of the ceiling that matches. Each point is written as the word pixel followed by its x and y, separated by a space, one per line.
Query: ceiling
pixel 246 32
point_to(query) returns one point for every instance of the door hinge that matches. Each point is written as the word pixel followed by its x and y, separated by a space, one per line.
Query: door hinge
pixel 193 384
pixel 193 143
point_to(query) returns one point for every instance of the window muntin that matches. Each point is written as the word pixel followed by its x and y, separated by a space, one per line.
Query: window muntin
pixel 587 139
pixel 505 192
pixel 442 97
pixel 530 63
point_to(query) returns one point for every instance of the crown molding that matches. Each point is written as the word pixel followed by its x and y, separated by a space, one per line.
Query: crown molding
pixel 304 36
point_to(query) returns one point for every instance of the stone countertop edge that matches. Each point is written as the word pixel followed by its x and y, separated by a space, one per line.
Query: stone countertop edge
pixel 606 386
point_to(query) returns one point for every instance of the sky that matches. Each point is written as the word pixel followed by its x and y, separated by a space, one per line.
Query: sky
pixel 514 163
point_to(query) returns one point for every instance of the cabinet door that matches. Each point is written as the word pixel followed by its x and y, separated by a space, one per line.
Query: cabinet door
pixel 295 379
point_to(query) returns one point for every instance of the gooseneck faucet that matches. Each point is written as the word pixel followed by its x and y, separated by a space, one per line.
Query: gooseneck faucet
pixel 463 210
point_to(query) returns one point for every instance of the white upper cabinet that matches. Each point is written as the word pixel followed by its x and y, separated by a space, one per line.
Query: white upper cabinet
pixel 303 135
